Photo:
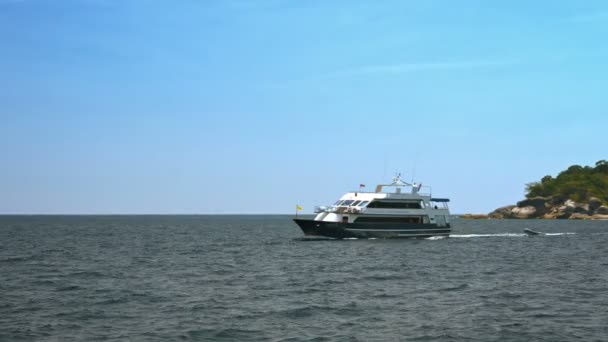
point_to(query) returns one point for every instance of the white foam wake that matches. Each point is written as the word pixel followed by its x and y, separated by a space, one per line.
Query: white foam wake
pixel 436 238
pixel 556 234
pixel 487 235
pixel 504 235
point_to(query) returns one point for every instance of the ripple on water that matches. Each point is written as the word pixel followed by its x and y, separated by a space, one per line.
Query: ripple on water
pixel 16 259
pixel 454 288
pixel 227 334
pixel 69 288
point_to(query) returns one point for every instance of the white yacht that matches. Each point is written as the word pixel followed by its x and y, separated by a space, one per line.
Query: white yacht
pixel 412 213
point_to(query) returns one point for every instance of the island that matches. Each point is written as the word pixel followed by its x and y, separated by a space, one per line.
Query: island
pixel 579 192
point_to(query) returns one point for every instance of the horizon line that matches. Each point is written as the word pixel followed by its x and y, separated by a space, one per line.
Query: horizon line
pixel 180 214
pixel 143 214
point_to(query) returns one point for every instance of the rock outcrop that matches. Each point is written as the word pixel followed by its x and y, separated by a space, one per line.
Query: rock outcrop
pixel 602 210
pixel 474 216
pixel 502 212
pixel 524 212
pixel 538 203
pixel 594 204
pixel 578 192
pixel 553 208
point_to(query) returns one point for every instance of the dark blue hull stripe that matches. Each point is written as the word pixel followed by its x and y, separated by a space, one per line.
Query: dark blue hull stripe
pixel 367 230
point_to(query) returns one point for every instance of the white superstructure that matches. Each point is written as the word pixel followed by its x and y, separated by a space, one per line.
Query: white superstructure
pixel 415 205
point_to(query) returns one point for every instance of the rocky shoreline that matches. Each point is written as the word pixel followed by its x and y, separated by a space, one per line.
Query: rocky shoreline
pixel 548 208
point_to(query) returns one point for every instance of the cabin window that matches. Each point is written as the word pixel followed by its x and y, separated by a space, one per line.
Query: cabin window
pixel 338 202
pixel 404 219
pixel 440 205
pixel 364 203
pixel 355 203
pixel 394 205
pixel 347 202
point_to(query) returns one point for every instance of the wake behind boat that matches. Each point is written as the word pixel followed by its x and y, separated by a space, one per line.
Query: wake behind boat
pixel 380 214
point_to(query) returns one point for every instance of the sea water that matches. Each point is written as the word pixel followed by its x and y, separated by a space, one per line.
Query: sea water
pixel 257 278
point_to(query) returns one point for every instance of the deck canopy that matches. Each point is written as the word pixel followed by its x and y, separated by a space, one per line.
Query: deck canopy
pixel 440 199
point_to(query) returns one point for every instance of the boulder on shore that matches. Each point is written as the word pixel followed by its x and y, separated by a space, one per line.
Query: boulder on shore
pixel 566 210
pixel 594 204
pixel 502 212
pixel 539 204
pixel 524 212
pixel 579 208
pixel 474 216
pixel 602 210
pixel 579 216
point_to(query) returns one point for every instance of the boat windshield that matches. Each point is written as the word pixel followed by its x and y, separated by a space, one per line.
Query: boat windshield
pixel 439 204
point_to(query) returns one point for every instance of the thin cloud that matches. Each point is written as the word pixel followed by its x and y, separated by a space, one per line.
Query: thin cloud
pixel 10 2
pixel 254 6
pixel 590 17
pixel 401 68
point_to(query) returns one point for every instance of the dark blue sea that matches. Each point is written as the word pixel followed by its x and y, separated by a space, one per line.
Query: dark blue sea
pixel 256 278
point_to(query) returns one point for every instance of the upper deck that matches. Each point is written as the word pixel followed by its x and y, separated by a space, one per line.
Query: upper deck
pixel 385 202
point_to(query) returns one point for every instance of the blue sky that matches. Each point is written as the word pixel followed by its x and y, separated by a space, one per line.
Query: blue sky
pixel 121 106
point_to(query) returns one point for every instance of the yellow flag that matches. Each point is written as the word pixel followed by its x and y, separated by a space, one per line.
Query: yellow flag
pixel 298 207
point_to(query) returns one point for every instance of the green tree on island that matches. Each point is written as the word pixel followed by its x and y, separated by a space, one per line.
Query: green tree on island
pixel 578 183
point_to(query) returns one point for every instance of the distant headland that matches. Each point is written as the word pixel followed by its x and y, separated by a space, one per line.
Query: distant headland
pixel 579 192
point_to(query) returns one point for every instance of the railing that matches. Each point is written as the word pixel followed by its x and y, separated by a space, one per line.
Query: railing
pixel 424 190
pixel 321 209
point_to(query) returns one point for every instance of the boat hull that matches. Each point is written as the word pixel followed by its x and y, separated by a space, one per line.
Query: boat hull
pixel 371 230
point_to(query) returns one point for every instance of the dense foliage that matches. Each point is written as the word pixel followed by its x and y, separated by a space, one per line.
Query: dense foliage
pixel 578 183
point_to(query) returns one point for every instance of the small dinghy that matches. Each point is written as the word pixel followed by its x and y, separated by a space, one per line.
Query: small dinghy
pixel 531 232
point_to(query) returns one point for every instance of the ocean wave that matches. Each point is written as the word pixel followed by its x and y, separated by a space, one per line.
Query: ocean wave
pixel 20 258
pixel 87 274
pixel 454 288
pixel 69 288
pixel 350 309
pixel 230 334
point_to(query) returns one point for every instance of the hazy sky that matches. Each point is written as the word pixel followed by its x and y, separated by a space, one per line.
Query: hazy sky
pixel 119 106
